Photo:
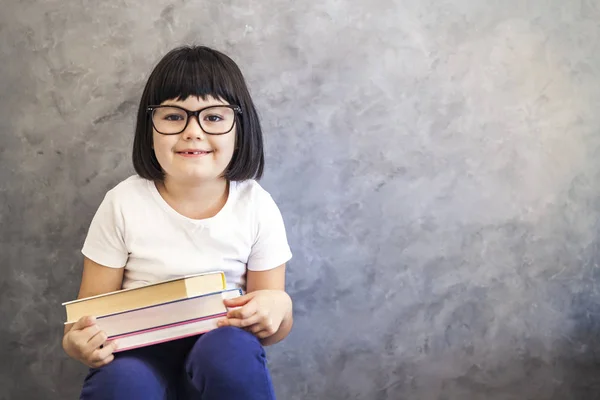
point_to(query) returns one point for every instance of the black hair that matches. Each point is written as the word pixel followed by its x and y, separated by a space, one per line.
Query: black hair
pixel 200 71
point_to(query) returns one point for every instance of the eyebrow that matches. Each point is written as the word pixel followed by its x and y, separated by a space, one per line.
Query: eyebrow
pixel 208 104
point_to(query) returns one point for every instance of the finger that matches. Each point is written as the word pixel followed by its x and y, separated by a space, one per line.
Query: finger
pixel 240 323
pixel 254 329
pixel 89 332
pixel 97 340
pixel 252 320
pixel 100 355
pixel 82 337
pixel 103 362
pixel 230 322
pixel 83 323
pixel 239 301
pixel 255 319
pixel 263 334
pixel 244 312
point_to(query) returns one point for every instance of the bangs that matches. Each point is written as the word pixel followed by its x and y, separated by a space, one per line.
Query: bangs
pixel 195 72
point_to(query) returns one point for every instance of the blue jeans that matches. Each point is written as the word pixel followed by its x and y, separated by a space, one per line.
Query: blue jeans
pixel 225 364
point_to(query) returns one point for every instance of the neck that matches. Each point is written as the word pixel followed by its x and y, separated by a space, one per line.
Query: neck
pixel 197 200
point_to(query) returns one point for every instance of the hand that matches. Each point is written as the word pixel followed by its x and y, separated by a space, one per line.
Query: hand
pixel 84 340
pixel 260 312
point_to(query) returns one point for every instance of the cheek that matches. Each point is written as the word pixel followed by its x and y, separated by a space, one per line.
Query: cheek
pixel 226 145
pixel 162 147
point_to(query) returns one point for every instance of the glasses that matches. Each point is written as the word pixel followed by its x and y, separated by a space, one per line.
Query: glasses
pixel 213 120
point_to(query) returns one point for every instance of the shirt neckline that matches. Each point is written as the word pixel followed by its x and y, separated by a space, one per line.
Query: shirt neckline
pixel 205 221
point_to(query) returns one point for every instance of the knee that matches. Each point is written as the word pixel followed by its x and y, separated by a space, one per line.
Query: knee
pixel 122 369
pixel 124 375
pixel 226 354
pixel 232 337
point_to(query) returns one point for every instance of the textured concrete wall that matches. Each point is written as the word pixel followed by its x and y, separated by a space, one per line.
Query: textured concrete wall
pixel 436 163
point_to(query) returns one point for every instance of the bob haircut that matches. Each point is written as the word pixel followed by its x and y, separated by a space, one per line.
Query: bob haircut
pixel 200 71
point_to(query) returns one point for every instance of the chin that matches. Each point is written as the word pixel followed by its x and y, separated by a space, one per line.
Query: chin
pixel 194 175
pixel 200 177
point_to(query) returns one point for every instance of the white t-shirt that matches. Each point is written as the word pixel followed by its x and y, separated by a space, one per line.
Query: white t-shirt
pixel 135 228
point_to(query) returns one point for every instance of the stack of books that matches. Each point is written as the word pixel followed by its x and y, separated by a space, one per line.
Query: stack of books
pixel 158 312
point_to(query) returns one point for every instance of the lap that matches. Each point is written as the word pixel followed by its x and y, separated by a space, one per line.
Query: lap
pixel 218 361
pixel 152 372
pixel 228 363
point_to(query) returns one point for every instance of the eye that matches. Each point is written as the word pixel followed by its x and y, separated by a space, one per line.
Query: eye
pixel 173 117
pixel 213 118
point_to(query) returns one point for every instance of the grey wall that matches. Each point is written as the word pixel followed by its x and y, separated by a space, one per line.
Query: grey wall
pixel 436 163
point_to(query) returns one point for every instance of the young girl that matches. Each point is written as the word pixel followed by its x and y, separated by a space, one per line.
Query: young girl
pixel 193 206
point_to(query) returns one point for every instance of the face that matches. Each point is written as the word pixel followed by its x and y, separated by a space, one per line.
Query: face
pixel 193 155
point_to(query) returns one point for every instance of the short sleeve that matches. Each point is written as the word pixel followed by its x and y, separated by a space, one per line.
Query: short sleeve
pixel 271 248
pixel 104 243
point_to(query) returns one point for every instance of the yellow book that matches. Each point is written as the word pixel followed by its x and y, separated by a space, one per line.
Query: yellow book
pixel 145 296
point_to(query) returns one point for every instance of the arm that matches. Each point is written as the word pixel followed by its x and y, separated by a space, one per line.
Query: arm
pixel 97 279
pixel 273 279
pixel 83 340
pixel 266 310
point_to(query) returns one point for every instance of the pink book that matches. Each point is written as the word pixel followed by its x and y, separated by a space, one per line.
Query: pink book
pixel 166 333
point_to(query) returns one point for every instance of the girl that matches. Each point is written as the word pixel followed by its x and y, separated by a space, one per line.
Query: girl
pixel 193 206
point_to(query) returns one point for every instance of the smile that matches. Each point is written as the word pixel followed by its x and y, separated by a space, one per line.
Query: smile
pixel 193 153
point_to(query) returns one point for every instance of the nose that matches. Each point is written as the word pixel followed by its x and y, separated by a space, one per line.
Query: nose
pixel 193 130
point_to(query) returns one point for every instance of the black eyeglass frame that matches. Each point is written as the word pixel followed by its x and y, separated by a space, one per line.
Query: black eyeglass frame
pixel 236 109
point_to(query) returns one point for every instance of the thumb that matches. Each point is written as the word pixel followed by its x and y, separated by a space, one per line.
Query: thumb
pixel 84 322
pixel 238 301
